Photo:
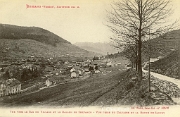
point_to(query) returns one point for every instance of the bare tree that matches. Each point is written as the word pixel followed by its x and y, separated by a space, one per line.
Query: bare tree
pixel 131 20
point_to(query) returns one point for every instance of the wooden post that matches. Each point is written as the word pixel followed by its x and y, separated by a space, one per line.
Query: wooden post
pixel 149 71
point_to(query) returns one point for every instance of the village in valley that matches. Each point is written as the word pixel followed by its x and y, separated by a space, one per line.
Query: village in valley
pixel 121 53
pixel 35 73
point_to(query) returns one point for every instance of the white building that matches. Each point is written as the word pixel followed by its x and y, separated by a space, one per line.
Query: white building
pixel 75 73
pixel 54 80
pixel 10 86
pixel 109 64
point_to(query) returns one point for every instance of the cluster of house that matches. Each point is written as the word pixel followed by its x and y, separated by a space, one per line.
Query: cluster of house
pixel 84 69
pixel 53 74
pixel 12 85
pixel 72 70
pixel 76 72
pixel 9 87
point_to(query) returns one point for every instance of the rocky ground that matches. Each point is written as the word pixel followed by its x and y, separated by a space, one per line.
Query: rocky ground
pixel 161 93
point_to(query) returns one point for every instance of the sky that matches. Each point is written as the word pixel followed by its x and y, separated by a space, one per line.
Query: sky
pixel 84 24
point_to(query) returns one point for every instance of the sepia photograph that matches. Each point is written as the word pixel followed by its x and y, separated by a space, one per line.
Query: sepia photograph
pixel 89 58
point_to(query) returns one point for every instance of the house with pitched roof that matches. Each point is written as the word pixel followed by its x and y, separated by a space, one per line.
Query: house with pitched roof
pixel 54 80
pixel 74 73
pixel 10 86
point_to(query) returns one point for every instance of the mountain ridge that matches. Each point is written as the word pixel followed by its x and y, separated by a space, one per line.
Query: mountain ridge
pixel 35 33
pixel 162 45
pixel 21 41
pixel 97 47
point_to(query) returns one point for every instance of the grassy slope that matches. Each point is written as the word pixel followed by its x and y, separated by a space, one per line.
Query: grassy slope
pixel 34 33
pixel 168 65
pixel 18 41
pixel 162 45
pixel 28 47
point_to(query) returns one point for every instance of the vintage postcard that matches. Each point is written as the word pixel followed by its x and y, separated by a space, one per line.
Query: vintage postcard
pixel 65 58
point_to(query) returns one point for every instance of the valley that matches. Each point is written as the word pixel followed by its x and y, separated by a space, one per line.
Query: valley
pixel 43 69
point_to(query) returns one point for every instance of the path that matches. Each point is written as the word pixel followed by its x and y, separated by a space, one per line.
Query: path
pixel 163 77
pixel 173 80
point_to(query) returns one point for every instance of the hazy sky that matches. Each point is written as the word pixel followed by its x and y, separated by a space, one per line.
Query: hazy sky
pixel 84 24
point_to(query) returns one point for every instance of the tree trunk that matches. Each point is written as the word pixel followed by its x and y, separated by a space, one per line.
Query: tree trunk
pixel 136 56
pixel 139 62
pixel 140 41
pixel 149 73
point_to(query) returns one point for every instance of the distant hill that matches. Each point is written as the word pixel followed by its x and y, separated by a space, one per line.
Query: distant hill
pixel 34 33
pixel 17 41
pixel 164 44
pixel 102 48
